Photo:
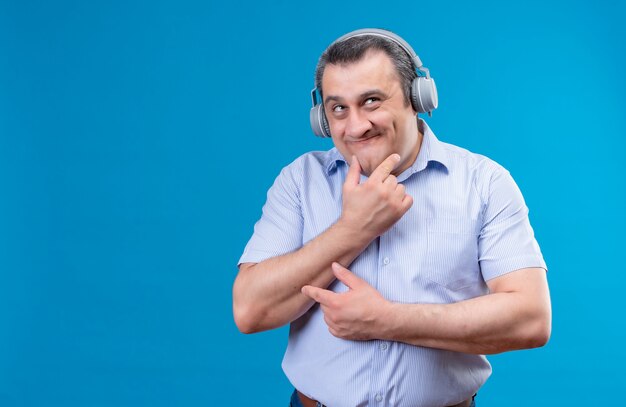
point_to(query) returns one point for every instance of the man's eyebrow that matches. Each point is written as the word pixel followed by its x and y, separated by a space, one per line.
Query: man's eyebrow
pixel 372 92
pixel 332 98
pixel 364 95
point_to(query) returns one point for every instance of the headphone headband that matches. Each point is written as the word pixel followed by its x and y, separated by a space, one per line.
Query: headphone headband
pixel 377 32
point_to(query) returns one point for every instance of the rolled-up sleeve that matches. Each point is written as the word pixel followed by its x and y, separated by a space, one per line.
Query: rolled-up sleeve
pixel 279 231
pixel 507 241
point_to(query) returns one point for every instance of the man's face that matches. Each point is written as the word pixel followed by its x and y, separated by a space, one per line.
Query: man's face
pixel 367 114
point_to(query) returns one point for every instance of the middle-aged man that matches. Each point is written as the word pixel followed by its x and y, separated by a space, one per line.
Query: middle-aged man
pixel 399 260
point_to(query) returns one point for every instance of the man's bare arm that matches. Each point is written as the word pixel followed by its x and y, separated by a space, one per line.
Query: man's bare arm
pixel 268 294
pixel 515 315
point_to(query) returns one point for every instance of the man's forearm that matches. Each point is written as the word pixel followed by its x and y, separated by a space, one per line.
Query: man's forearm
pixel 267 295
pixel 493 323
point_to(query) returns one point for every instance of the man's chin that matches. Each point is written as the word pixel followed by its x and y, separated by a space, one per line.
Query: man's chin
pixel 368 167
pixel 368 162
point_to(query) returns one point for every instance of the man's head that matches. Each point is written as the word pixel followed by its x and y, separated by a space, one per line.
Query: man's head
pixel 365 84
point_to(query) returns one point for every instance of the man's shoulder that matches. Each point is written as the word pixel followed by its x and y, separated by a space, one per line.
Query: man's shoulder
pixel 309 167
pixel 458 160
pixel 314 161
pixel 462 158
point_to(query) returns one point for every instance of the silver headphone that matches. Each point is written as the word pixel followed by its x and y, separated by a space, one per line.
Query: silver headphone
pixel 423 89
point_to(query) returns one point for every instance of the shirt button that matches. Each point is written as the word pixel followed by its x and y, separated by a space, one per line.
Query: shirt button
pixel 386 261
pixel 379 398
pixel 383 346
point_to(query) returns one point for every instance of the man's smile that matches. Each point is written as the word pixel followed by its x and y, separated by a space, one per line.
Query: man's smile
pixel 365 140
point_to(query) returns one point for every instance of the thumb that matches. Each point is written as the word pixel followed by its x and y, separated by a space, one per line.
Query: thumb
pixel 354 172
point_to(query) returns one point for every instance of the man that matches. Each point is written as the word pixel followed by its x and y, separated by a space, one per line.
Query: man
pixel 399 260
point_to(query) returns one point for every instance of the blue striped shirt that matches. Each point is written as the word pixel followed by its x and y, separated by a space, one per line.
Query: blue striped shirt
pixel 468 224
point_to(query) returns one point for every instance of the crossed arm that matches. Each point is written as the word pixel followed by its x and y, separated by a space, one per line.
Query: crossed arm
pixel 515 314
pixel 267 295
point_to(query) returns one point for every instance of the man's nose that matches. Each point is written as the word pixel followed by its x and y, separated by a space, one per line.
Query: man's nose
pixel 357 124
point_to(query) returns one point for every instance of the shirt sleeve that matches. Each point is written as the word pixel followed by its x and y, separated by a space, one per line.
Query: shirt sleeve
pixel 279 231
pixel 507 241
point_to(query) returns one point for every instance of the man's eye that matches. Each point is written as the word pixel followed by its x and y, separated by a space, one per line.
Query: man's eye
pixel 338 108
pixel 371 100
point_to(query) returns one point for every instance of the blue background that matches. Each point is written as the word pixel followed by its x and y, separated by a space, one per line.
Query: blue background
pixel 138 139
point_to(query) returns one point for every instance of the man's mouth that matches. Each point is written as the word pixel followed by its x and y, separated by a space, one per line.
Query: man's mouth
pixel 365 140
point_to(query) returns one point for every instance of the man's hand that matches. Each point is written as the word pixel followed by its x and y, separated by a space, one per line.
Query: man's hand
pixel 357 314
pixel 377 204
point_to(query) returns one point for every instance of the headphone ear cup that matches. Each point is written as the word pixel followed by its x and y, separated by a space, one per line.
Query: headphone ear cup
pixel 319 124
pixel 424 94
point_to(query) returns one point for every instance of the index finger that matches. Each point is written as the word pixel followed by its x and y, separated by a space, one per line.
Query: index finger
pixel 384 169
pixel 317 294
pixel 354 172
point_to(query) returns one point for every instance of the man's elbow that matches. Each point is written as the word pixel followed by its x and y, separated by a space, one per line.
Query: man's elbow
pixel 540 331
pixel 543 335
pixel 243 319
pixel 245 314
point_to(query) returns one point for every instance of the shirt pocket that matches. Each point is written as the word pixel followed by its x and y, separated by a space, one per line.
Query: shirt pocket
pixel 452 255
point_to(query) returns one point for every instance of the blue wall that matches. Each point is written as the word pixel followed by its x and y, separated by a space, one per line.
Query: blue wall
pixel 137 142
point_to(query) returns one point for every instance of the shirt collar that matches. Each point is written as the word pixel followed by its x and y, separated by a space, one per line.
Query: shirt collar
pixel 431 150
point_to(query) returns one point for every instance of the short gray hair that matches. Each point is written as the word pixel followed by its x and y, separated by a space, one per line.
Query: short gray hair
pixel 354 49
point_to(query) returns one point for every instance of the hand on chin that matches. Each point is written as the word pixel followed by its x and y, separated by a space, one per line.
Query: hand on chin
pixel 369 161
